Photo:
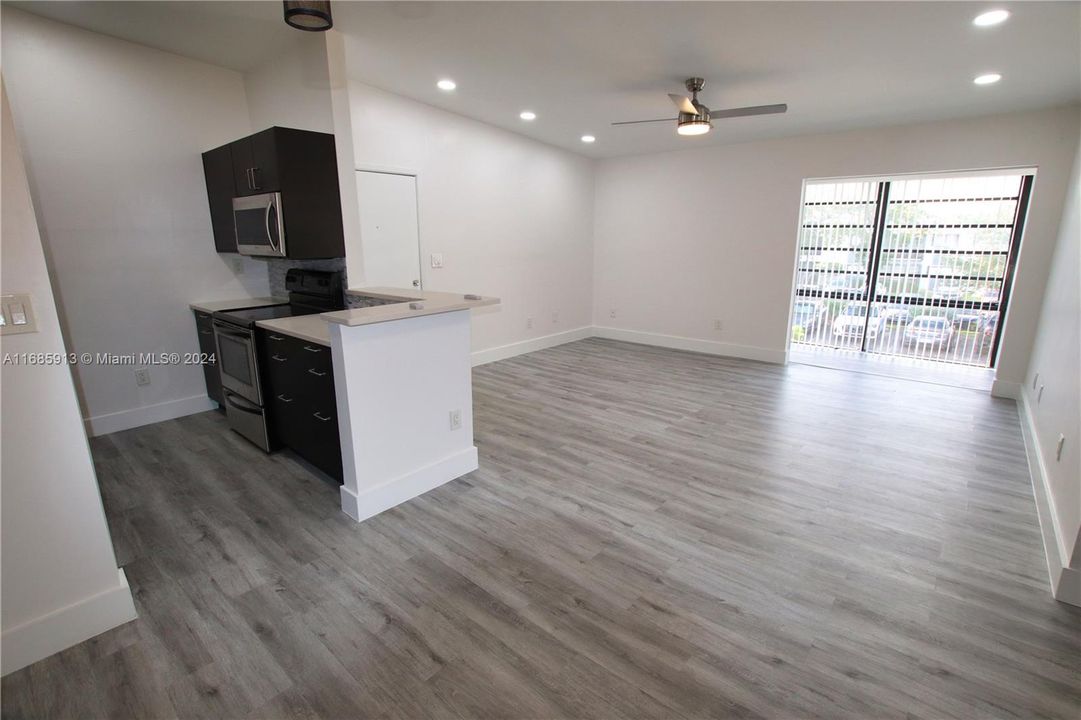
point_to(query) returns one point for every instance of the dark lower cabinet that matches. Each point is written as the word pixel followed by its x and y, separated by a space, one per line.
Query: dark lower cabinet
pixel 209 350
pixel 302 410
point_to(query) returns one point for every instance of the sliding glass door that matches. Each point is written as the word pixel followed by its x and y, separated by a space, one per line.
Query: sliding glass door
pixel 916 266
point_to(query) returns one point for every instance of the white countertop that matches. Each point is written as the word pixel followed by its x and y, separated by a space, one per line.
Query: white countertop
pixel 413 303
pixel 312 328
pixel 210 306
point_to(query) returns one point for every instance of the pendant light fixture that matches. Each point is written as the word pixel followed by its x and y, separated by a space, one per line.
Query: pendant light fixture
pixel 310 15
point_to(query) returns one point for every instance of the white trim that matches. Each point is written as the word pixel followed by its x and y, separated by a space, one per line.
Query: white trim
pixel 502 352
pixel 1065 581
pixel 1006 389
pixel 373 501
pixel 710 347
pixel 387 170
pixel 67 626
pixel 147 415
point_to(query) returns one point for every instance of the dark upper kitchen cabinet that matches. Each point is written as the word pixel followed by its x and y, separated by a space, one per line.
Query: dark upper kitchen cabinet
pixel 299 165
pixel 220 191
pixel 255 161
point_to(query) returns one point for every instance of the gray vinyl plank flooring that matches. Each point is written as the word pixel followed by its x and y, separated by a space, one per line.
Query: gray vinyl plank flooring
pixel 652 534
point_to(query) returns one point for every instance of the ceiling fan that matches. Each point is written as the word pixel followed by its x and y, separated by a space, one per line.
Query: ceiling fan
pixel 695 118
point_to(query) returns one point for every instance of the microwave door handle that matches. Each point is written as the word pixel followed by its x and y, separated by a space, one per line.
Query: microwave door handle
pixel 266 224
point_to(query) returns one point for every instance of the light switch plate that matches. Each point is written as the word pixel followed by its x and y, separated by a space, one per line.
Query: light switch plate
pixel 18 314
pixel 437 260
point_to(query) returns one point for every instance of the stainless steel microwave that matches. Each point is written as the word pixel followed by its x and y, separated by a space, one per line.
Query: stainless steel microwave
pixel 260 228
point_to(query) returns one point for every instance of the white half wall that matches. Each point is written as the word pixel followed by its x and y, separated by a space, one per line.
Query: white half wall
pixel 397 384
pixel 1055 368
pixel 112 133
pixel 512 217
pixel 689 238
pixel 61 584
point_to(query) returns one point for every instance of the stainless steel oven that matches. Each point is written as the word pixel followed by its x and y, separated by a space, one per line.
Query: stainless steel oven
pixel 260 227
pixel 240 382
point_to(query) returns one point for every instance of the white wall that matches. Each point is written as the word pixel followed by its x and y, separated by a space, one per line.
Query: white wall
pixel 293 89
pixel 61 584
pixel 683 239
pixel 512 217
pixel 1056 358
pixel 113 132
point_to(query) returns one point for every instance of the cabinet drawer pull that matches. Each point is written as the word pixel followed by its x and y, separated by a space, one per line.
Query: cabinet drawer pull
pixel 275 337
pixel 279 359
pixel 317 416
pixel 206 332
pixel 285 399
pixel 309 348
pixel 315 372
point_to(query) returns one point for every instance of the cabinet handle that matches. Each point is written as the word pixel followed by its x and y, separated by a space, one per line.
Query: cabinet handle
pixel 279 359
pixel 315 372
pixel 317 416
pixel 247 176
pixel 309 348
pixel 275 337
pixel 254 183
pixel 285 399
pixel 206 332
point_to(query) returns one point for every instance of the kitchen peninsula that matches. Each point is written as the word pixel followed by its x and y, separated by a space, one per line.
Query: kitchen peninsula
pixel 403 386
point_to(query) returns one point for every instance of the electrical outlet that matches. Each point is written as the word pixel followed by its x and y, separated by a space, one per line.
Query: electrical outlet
pixel 1058 448
pixel 437 260
pixel 1039 395
pixel 612 313
pixel 142 376
pixel 717 325
pixel 555 316
pixel 529 323
pixel 237 265
pixel 455 419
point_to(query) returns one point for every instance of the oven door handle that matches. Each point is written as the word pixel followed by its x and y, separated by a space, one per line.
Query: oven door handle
pixel 235 401
pixel 240 334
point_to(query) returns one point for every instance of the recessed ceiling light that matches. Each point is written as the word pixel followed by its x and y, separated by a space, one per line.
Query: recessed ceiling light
pixel 446 85
pixel 991 17
pixel 588 139
pixel 987 79
pixel 527 115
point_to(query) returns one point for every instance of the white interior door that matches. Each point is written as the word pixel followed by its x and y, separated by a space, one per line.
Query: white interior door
pixel 389 232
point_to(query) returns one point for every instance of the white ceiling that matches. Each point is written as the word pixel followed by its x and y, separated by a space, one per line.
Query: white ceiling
pixel 582 65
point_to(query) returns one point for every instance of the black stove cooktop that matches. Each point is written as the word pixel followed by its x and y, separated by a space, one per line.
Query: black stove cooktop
pixel 310 292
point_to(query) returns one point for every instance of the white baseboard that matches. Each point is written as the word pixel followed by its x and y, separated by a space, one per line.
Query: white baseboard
pixel 482 357
pixel 372 501
pixel 710 347
pixel 60 629
pixel 1065 581
pixel 1004 389
pixel 146 415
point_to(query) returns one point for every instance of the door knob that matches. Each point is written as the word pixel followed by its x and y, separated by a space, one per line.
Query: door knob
pixel 416 283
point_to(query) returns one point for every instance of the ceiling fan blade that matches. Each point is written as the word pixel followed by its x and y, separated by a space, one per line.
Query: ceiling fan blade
pixel 747 111
pixel 637 122
pixel 683 104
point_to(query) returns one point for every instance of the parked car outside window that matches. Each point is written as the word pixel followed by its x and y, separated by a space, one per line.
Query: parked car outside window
pixel 930 330
pixel 851 321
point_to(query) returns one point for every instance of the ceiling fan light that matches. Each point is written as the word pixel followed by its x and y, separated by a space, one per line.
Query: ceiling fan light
pixel 699 124
pixel 310 15
pixel 694 128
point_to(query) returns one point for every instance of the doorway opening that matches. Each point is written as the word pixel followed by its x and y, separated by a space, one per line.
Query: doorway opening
pixel 912 268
